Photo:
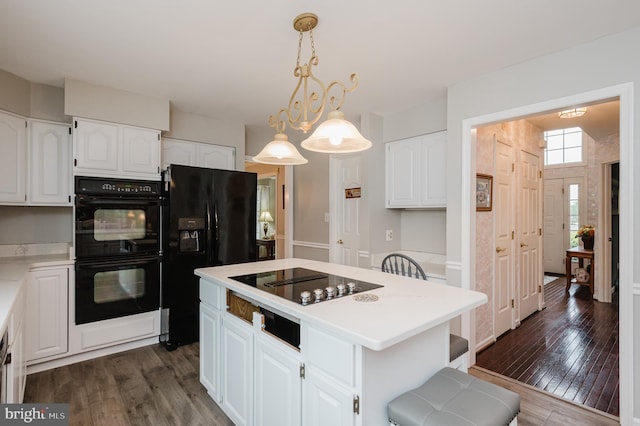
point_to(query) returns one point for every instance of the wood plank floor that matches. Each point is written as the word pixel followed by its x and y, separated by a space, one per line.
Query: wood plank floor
pixel 146 386
pixel 569 349
pixel 150 386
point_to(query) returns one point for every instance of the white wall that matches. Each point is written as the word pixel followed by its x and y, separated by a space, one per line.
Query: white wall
pixel 606 62
pixel 35 225
pixel 82 99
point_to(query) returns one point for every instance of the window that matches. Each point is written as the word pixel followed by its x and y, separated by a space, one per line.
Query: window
pixel 574 213
pixel 563 146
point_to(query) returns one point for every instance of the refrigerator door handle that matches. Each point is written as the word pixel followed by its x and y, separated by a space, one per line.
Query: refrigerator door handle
pixel 209 236
pixel 215 217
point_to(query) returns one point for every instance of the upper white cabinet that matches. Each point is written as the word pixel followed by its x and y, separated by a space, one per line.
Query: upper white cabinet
pixel 50 180
pixel 188 153
pixel 13 161
pixel 115 150
pixel 415 172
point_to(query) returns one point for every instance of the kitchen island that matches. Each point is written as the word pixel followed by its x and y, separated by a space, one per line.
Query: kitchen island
pixel 355 353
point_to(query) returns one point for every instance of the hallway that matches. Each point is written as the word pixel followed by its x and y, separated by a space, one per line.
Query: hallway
pixel 569 349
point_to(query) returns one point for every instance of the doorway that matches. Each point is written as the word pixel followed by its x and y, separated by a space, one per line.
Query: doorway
pixel 594 200
pixel 274 215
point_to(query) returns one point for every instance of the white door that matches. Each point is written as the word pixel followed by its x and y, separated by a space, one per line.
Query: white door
pixel 325 402
pixel 13 161
pixel 50 163
pixel 216 157
pixel 237 370
pixel 345 210
pixel 96 146
pixel 141 151
pixel 209 351
pixel 529 230
pixel 278 386
pixel 178 152
pixel 402 170
pixel 504 228
pixel 554 226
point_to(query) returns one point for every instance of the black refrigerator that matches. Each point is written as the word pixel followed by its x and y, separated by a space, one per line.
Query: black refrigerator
pixel 209 219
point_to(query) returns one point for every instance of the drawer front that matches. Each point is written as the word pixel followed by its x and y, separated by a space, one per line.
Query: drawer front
pixel 330 353
pixel 211 294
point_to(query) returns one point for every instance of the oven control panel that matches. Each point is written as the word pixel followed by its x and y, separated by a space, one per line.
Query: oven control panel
pixel 120 187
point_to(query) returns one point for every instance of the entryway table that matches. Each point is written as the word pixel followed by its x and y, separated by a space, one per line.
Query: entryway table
pixel 581 254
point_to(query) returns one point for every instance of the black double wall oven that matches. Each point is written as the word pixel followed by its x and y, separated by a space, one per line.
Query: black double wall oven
pixel 117 242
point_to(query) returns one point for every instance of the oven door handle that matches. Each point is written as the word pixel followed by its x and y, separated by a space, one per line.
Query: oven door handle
pixel 98 201
pixel 125 261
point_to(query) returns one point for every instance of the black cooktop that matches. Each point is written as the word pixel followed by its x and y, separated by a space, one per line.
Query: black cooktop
pixel 305 286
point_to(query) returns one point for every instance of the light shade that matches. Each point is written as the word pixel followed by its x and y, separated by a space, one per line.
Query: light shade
pixel 572 113
pixel 281 152
pixel 265 216
pixel 336 135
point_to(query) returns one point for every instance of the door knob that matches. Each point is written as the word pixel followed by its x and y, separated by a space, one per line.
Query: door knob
pixel 523 245
pixel 500 249
pixel 340 242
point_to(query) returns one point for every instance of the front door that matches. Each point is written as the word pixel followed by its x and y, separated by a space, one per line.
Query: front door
pixel 554 229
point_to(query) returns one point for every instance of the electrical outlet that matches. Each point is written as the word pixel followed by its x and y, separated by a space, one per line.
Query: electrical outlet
pixel 389 235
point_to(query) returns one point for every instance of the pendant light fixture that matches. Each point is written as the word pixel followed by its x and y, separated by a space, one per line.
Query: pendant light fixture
pixel 306 106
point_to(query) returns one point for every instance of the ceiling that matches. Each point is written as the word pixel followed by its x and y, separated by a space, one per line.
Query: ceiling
pixel 235 60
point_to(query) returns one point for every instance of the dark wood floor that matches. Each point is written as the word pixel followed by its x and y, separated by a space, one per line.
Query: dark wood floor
pixel 569 349
pixel 146 386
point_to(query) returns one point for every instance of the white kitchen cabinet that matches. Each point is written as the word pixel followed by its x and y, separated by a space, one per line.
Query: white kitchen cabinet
pixel 326 402
pixel 13 161
pixel 198 154
pixel 415 170
pixel 16 368
pixel 209 344
pixel 115 150
pixel 47 313
pixel 277 367
pixel 50 180
pixel 237 370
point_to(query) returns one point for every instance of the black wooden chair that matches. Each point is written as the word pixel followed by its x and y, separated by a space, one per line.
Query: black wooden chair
pixel 399 264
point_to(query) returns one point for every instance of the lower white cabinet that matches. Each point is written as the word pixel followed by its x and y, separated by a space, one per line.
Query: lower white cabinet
pixel 209 344
pixel 326 402
pixel 16 364
pixel 47 322
pixel 276 368
pixel 237 370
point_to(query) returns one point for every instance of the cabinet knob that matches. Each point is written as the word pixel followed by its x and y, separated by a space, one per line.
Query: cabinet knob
pixel 523 245
pixel 500 249
pixel 340 242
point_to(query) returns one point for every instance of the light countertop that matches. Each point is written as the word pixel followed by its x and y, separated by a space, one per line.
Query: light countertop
pixel 433 264
pixel 405 307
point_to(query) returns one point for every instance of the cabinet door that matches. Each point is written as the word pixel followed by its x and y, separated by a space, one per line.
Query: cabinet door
pixel 276 368
pixel 178 152
pixel 216 157
pixel 237 370
pixel 141 151
pixel 210 350
pixel 403 173
pixel 50 164
pixel 326 402
pixel 433 163
pixel 13 161
pixel 47 317
pixel 95 146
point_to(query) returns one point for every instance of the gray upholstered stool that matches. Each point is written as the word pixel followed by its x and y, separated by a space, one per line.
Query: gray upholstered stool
pixel 452 397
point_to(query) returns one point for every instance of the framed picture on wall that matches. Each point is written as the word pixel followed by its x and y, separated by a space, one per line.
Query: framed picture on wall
pixel 484 192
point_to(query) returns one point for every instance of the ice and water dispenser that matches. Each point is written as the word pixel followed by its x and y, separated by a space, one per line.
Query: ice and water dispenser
pixel 191 233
